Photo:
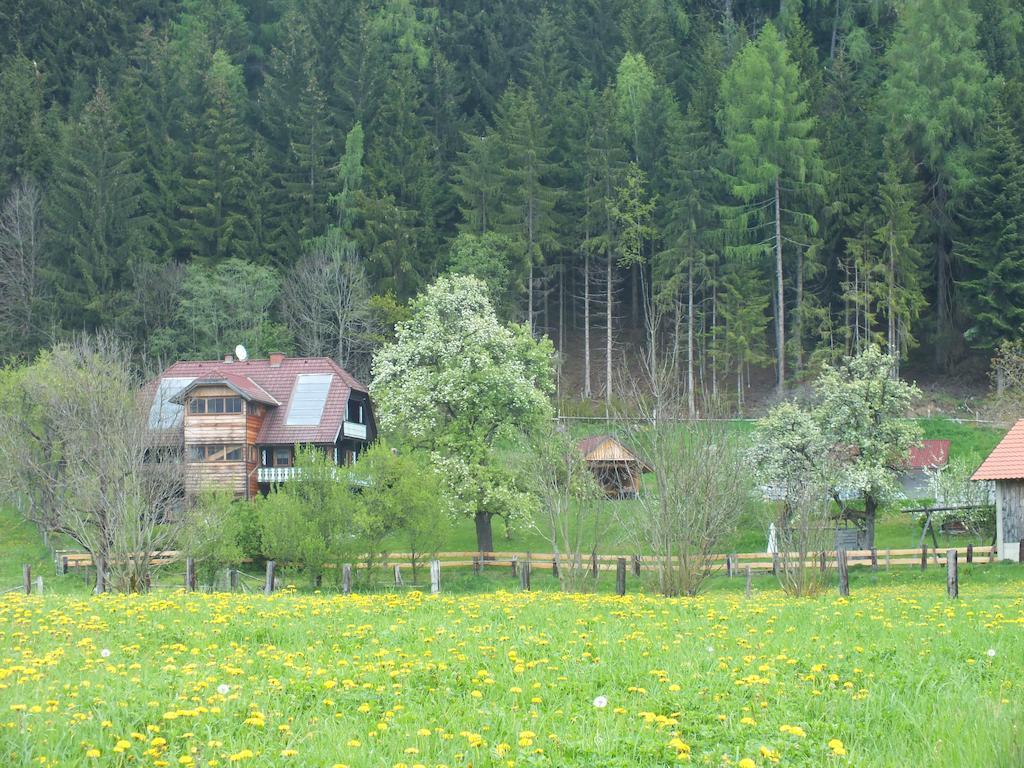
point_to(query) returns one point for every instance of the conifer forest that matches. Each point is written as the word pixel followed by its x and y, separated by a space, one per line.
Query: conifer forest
pixel 729 191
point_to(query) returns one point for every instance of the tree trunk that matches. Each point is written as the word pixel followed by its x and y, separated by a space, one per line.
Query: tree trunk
pixel 870 512
pixel 609 310
pixel 101 573
pixel 691 402
pixel 798 329
pixel 780 312
pixel 484 535
pixel 714 336
pixel 942 309
pixel 586 325
pixel 529 297
pixel 893 342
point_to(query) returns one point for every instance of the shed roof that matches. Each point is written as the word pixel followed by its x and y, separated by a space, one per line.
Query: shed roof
pixel 1006 462
pixel 930 454
pixel 274 385
pixel 608 448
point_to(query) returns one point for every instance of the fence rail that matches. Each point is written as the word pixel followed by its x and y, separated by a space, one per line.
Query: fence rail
pixel 726 563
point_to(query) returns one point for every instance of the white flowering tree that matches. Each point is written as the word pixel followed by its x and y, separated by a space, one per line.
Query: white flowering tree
pixel 458 382
pixel 856 435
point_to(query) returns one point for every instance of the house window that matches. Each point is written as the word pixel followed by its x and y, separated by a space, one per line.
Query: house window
pixel 215 453
pixel 282 457
pixel 356 414
pixel 215 405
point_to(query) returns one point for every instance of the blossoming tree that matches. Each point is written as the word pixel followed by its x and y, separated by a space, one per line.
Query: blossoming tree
pixel 458 382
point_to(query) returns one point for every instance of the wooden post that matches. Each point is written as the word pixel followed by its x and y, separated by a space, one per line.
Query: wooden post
pixel 190 574
pixel 620 576
pixel 1020 552
pixel 26 578
pixel 233 579
pixel 992 554
pixel 524 576
pixel 39 585
pixel 844 573
pixel 268 586
pixel 149 581
pixel 64 566
pixel 636 565
pixel 730 568
pixel 476 565
pixel 593 564
pixel 952 578
pixel 924 557
pixel 398 576
pixel 888 558
pixel 435 576
pixel 970 553
pixel 874 559
pixel 775 563
pixel 515 566
pixel 748 581
pixel 318 581
pixel 346 579
pixel 554 567
pixel 822 561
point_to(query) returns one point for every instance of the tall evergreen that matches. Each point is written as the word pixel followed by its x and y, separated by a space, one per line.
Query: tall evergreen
pixel 774 162
pixel 219 220
pixel 936 96
pixel 992 251
pixel 94 218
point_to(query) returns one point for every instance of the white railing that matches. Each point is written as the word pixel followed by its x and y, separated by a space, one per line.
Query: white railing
pixel 275 474
pixel 357 431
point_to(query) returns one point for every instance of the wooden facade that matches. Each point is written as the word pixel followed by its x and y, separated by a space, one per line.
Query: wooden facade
pixel 1004 467
pixel 618 470
pixel 241 421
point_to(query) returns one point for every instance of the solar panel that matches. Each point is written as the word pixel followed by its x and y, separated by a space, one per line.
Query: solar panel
pixel 164 414
pixel 308 399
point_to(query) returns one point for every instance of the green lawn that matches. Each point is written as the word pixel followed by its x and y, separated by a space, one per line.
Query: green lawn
pixel 895 675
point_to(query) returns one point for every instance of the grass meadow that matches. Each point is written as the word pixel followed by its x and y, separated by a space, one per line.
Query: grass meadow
pixel 896 675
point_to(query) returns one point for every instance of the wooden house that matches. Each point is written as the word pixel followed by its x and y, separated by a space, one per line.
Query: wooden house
pixel 240 421
pixel 618 469
pixel 1005 468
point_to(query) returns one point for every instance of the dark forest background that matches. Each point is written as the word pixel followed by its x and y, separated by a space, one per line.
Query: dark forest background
pixel 673 184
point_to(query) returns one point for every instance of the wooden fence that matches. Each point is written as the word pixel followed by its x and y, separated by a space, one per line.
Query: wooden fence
pixel 727 564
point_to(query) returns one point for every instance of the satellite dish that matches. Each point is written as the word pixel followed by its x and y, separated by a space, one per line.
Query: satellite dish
pixel 240 353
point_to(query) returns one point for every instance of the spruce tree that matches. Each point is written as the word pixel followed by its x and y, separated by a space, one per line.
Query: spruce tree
pixel 95 227
pixel 219 222
pixel 992 251
pixel 774 157
pixel 935 98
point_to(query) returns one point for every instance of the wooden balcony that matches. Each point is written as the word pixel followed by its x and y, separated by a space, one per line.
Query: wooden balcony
pixel 351 429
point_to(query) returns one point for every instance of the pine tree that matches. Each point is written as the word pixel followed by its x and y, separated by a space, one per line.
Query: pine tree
pixel 936 97
pixel 95 228
pixel 530 199
pixel 992 251
pixel 776 171
pixel 220 177
pixel 479 183
pixel 26 134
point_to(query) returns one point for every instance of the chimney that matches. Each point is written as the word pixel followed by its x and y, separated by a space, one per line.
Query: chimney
pixel 229 359
pixel 276 358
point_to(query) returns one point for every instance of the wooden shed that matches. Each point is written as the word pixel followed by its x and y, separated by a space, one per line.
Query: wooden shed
pixel 1005 467
pixel 617 468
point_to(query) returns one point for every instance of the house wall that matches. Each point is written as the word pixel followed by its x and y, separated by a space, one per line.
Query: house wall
pixel 221 428
pixel 1009 518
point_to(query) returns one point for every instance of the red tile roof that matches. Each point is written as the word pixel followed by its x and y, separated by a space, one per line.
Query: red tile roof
pixel 275 384
pixel 1006 462
pixel 930 454
pixel 243 385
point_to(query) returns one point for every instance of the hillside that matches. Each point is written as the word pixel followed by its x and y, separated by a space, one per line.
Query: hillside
pixel 288 174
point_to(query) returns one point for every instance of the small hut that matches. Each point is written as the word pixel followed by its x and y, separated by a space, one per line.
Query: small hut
pixel 1005 467
pixel 617 468
pixel 928 457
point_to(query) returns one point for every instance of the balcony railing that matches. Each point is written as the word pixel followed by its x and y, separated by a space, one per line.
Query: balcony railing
pixel 358 431
pixel 276 474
